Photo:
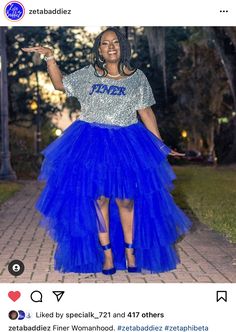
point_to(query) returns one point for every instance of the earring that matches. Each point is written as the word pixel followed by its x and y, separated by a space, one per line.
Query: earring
pixel 100 59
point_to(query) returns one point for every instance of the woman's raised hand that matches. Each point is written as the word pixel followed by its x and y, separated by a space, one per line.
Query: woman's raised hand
pixel 52 67
pixel 39 49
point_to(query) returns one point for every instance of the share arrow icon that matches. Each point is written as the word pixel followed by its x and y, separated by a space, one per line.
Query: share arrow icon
pixel 58 294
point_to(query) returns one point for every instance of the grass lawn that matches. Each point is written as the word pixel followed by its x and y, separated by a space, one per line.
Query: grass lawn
pixel 7 189
pixel 210 194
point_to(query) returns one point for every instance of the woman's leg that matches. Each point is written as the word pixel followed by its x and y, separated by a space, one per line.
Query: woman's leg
pixel 104 238
pixel 126 211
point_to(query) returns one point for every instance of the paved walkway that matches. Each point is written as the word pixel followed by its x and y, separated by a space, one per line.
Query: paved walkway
pixel 205 255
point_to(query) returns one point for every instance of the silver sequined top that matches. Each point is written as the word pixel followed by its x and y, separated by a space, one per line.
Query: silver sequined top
pixel 109 101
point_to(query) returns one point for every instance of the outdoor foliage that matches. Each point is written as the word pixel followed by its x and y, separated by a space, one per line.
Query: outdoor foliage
pixel 197 68
pixel 191 71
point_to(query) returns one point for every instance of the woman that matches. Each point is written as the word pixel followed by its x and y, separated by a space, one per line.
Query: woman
pixel 69 113
pixel 106 201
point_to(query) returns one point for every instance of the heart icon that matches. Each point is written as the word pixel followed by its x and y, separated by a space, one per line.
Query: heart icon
pixel 14 296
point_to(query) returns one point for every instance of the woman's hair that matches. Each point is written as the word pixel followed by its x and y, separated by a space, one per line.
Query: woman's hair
pixel 125 53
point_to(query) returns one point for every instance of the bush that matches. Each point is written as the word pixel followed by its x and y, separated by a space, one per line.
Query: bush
pixel 24 160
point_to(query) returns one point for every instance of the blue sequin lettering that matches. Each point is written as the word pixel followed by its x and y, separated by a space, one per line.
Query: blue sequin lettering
pixel 104 88
pixel 122 91
pixel 112 90
pixel 94 87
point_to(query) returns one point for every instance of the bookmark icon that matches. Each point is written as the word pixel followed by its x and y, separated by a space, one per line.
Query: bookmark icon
pixel 221 295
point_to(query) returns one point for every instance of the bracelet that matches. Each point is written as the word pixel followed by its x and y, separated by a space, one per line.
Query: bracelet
pixel 46 58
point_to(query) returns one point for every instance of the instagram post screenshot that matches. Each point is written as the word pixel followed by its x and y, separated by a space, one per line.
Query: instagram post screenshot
pixel 117 166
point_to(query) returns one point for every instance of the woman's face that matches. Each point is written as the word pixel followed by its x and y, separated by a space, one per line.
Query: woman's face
pixel 110 47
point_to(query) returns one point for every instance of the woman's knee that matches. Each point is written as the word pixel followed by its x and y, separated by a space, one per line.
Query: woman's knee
pixel 102 201
pixel 125 203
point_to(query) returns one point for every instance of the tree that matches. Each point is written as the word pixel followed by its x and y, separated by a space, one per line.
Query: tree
pixel 72 48
pixel 157 50
pixel 225 42
pixel 201 86
pixel 6 171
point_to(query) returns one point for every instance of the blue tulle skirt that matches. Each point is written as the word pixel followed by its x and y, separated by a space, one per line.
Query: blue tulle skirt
pixel 90 160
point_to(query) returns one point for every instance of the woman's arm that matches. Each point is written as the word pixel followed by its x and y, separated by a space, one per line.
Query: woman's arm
pixel 52 67
pixel 55 74
pixel 150 121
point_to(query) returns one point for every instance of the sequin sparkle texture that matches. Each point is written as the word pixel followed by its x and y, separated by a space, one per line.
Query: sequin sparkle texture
pixel 106 100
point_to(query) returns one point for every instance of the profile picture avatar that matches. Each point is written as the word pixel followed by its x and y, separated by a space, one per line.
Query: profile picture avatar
pixel 14 11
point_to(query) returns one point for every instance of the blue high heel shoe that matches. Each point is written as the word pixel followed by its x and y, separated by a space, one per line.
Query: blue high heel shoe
pixel 132 269
pixel 111 270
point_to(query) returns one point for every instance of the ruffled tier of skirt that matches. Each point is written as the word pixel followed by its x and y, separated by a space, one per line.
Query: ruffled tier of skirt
pixel 90 160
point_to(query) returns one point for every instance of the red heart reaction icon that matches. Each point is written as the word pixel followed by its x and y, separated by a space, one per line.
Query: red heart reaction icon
pixel 14 296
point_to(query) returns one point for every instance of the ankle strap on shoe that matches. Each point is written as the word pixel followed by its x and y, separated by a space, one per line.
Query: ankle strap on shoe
pixel 129 245
pixel 106 247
